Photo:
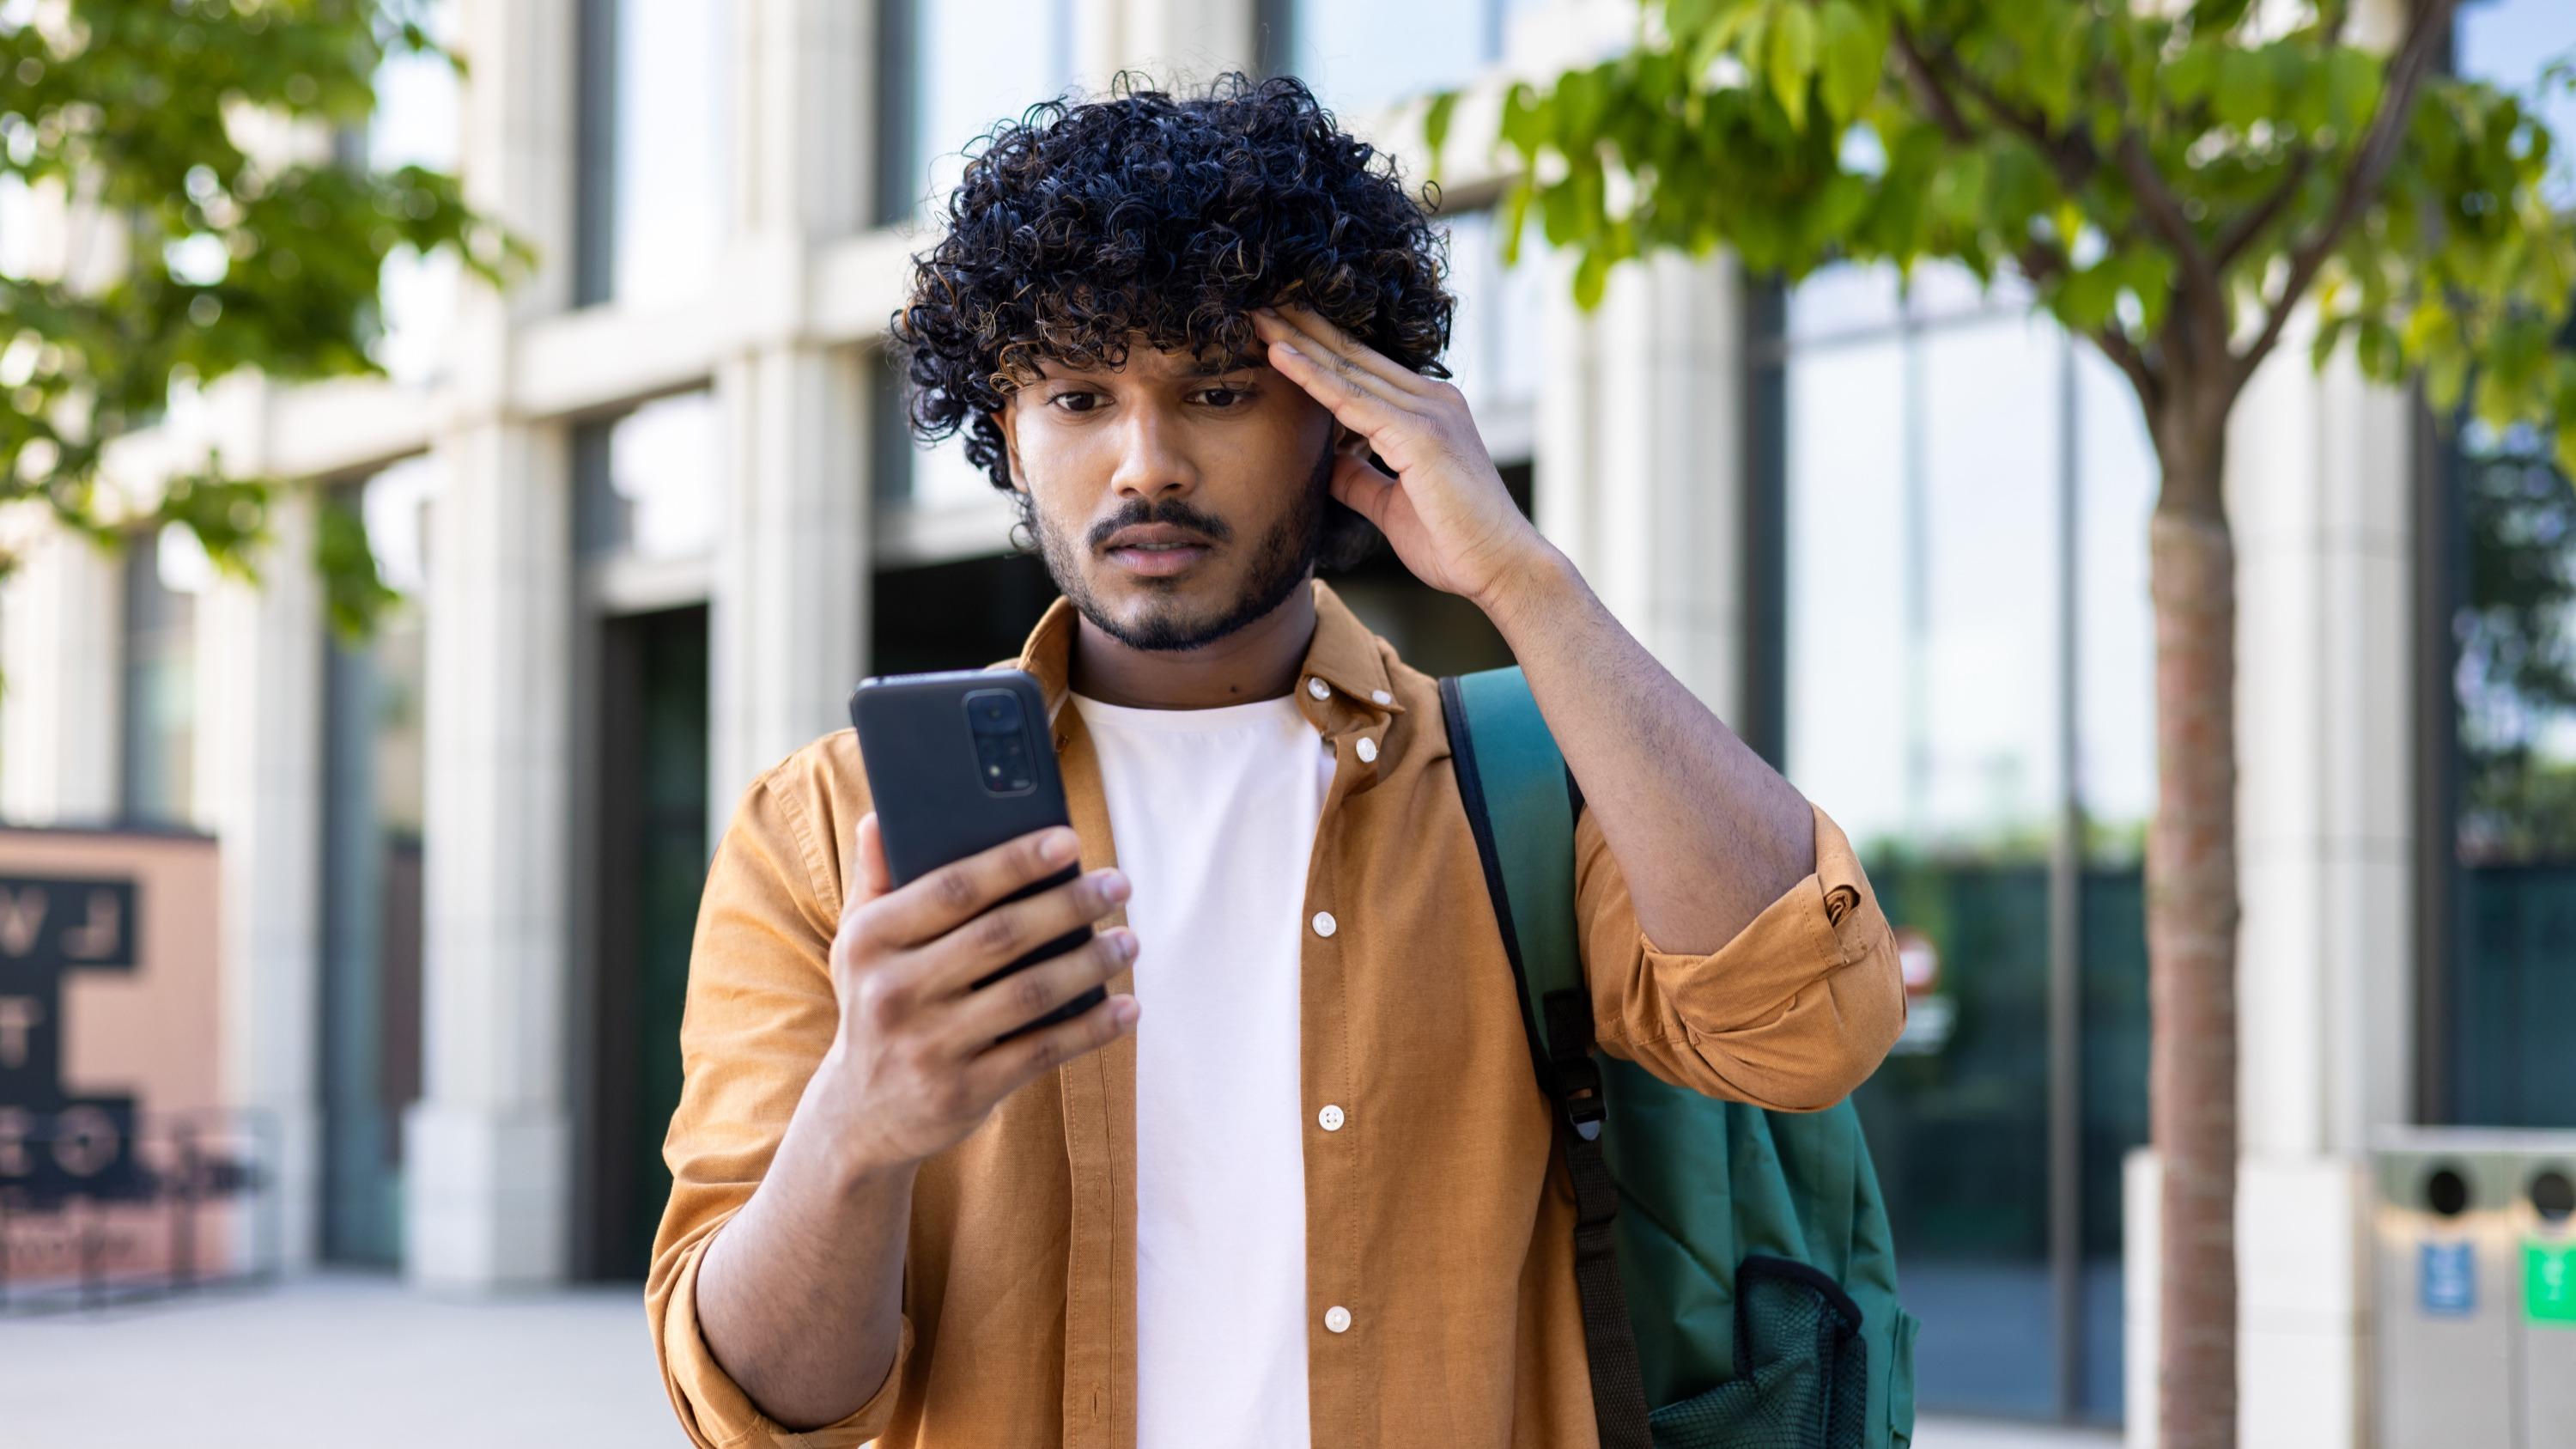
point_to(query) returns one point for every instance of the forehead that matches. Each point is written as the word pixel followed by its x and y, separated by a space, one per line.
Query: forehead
pixel 1150 363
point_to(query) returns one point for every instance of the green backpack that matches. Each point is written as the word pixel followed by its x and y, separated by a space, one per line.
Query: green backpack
pixel 1735 1267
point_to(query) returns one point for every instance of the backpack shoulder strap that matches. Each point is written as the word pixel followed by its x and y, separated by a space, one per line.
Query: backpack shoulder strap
pixel 1521 800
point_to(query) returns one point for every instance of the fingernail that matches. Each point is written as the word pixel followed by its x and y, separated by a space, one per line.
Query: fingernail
pixel 1112 885
pixel 1291 351
pixel 1123 941
pixel 1125 1010
pixel 1062 845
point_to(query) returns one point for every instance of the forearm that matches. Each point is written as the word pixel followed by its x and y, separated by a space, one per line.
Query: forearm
pixel 1706 832
pixel 801 1293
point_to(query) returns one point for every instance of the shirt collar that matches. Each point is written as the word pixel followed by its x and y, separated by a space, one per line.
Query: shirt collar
pixel 1344 654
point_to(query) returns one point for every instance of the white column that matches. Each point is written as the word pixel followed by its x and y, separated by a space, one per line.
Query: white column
pixel 2319 472
pixel 1182 44
pixel 489 1147
pixel 1640 475
pixel 259 787
pixel 790 592
pixel 60 645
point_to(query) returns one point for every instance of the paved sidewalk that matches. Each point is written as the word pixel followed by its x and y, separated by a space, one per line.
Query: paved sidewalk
pixel 335 1360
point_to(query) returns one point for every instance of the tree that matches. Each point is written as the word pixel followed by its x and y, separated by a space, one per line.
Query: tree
pixel 2174 181
pixel 134 118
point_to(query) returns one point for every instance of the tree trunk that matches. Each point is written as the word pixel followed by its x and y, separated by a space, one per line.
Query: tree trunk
pixel 2192 910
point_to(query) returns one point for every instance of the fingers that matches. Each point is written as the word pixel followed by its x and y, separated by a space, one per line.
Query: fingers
pixel 1349 393
pixel 1318 335
pixel 874 878
pixel 1005 933
pixel 1004 1006
pixel 1002 1070
pixel 945 898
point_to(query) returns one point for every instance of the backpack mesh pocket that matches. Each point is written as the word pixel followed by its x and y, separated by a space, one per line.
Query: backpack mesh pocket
pixel 1802 1379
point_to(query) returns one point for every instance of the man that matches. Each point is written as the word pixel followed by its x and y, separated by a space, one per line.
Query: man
pixel 1310 1195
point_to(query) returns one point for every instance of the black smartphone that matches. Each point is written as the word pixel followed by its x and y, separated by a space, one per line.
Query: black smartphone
pixel 959 761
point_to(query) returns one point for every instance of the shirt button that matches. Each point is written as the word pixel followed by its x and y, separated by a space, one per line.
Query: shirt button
pixel 1380 696
pixel 1337 1318
pixel 1331 1117
pixel 1318 688
pixel 1368 749
pixel 1324 923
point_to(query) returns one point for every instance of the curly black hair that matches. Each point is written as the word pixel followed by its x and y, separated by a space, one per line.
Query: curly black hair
pixel 1080 224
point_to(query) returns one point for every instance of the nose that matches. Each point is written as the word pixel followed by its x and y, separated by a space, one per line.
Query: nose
pixel 1151 463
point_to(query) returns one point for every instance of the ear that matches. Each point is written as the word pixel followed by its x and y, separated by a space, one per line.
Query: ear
pixel 1010 447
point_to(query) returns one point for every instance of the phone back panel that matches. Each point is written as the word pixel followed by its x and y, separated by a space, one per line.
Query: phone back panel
pixel 931 802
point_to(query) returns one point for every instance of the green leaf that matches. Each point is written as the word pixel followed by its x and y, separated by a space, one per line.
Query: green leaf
pixel 1855 54
pixel 1591 277
pixel 1791 61
pixel 1435 123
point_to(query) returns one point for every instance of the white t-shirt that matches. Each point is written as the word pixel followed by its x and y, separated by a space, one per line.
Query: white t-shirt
pixel 1213 813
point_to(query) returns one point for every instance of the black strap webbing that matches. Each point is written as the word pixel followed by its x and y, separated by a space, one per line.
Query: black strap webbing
pixel 1572 1079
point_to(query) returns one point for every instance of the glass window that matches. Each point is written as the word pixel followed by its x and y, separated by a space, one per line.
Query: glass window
pixel 2503 902
pixel 417 123
pixel 374 733
pixel 650 482
pixel 947 73
pixel 1359 56
pixel 1962 495
pixel 655 129
pixel 1495 355
pixel 164 572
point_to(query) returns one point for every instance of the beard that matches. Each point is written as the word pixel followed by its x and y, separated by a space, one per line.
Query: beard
pixel 1280 562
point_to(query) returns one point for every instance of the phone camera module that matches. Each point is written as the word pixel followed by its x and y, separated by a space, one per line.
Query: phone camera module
pixel 998 726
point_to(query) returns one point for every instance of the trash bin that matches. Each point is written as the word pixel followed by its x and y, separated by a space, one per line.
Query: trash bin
pixel 2543 1215
pixel 2448 1289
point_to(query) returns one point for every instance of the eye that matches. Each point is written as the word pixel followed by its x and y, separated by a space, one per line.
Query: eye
pixel 1239 396
pixel 1082 396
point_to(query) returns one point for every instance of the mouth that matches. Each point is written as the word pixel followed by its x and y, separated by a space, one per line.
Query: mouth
pixel 1156 550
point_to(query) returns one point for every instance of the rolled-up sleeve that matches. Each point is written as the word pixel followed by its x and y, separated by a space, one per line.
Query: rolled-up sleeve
pixel 1791 1014
pixel 758 1018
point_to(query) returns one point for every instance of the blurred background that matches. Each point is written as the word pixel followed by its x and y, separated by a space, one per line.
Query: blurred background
pixel 402 927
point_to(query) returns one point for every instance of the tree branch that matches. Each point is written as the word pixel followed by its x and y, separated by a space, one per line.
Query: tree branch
pixel 2040 261
pixel 2248 228
pixel 1927 86
pixel 2361 180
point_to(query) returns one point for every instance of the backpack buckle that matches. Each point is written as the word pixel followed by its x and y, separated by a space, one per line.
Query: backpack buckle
pixel 1578 1093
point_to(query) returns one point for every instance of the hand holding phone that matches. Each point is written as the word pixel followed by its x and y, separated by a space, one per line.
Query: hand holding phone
pixel 965 961
pixel 930 1050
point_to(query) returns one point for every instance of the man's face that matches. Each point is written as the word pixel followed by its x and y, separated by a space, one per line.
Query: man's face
pixel 1173 504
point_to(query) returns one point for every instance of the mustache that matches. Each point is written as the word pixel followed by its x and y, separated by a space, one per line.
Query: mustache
pixel 1175 512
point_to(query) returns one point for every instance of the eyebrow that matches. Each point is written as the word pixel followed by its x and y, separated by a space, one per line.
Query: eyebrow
pixel 1204 367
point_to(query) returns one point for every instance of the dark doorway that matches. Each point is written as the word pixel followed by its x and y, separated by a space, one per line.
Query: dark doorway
pixel 652 852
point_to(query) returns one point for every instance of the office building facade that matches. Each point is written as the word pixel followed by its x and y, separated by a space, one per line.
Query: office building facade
pixel 654 511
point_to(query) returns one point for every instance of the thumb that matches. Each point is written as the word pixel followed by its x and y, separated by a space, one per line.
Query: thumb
pixel 875 877
pixel 1358 484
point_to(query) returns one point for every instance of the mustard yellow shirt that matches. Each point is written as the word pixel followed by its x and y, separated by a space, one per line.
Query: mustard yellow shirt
pixel 1437 1214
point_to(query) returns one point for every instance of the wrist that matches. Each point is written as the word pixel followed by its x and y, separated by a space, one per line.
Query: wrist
pixel 836 1120
pixel 1537 581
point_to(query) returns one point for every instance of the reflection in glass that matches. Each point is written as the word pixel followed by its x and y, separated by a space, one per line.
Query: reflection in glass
pixel 374 725
pixel 947 73
pixel 163 573
pixel 417 123
pixel 655 128
pixel 2512 891
pixel 1930 445
pixel 650 482
pixel 1360 55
